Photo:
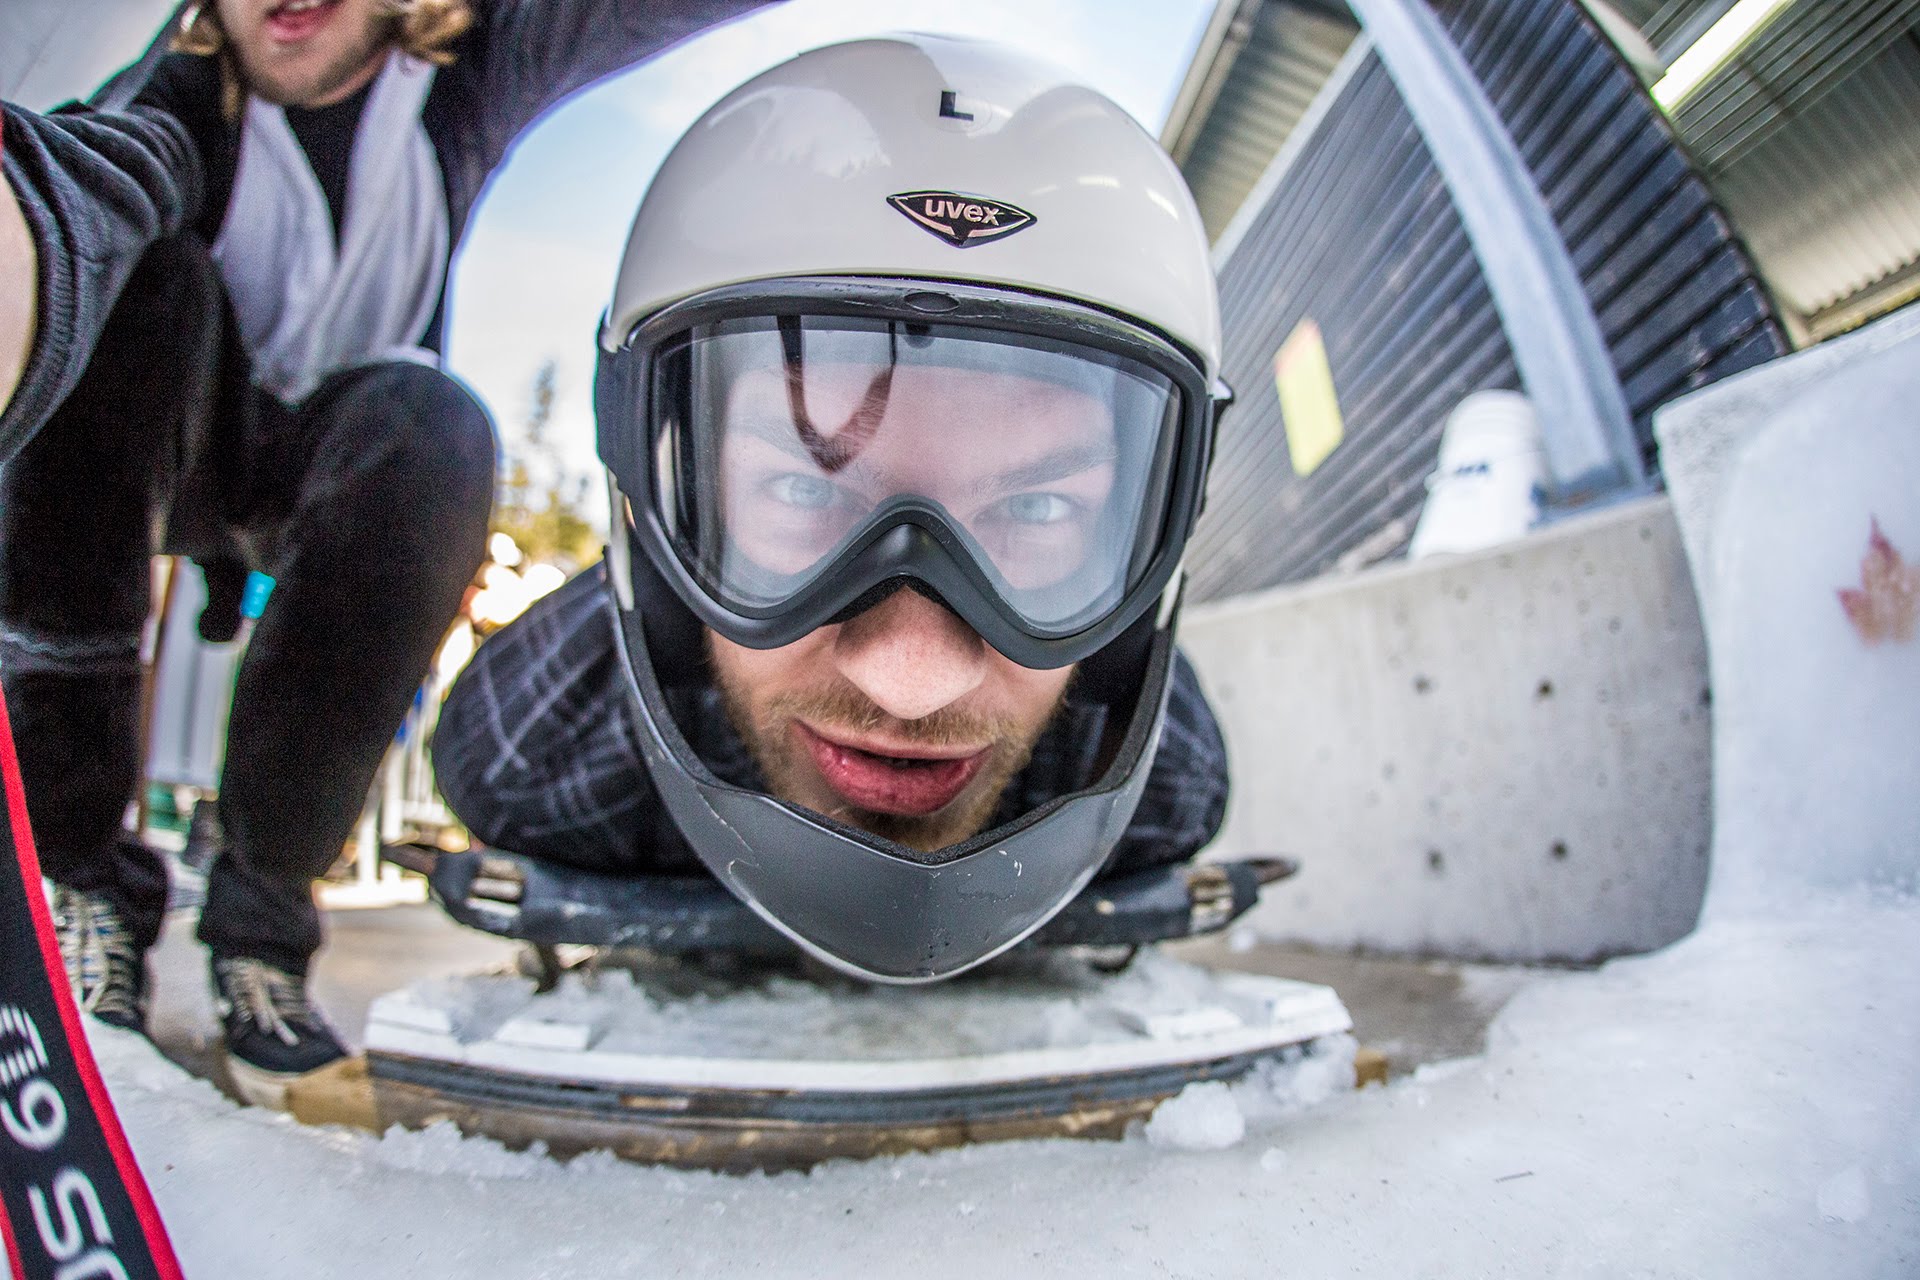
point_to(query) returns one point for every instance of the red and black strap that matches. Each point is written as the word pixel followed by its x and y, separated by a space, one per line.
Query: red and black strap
pixel 73 1205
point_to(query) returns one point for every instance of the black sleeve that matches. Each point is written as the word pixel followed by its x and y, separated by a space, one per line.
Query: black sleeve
pixel 97 188
pixel 539 51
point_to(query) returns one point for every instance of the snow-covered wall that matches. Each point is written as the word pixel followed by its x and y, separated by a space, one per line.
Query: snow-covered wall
pixel 1499 755
pixel 1798 486
pixel 54 50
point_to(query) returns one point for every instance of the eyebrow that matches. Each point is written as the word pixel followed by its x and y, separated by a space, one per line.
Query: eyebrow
pixel 771 427
pixel 1068 460
pixel 778 434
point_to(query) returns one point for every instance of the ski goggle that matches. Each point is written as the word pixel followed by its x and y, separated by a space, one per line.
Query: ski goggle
pixel 791 457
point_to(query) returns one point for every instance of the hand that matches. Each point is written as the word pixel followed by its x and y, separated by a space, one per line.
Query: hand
pixel 19 292
pixel 19 288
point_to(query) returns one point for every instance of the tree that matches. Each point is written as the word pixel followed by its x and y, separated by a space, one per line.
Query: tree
pixel 535 502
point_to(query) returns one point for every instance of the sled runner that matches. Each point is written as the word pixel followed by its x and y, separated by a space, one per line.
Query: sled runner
pixel 726 1066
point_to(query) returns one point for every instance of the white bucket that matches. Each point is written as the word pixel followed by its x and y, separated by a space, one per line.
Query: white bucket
pixel 1489 485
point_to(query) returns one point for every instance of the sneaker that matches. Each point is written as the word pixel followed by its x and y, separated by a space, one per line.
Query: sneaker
pixel 274 1034
pixel 107 971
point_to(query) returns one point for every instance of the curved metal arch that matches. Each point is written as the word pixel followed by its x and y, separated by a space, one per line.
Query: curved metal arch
pixel 1563 357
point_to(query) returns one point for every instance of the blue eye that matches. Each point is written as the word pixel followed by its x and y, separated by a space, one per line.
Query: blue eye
pixel 1038 508
pixel 810 493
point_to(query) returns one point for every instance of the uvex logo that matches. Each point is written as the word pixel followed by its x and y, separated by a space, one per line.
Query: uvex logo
pixel 961 220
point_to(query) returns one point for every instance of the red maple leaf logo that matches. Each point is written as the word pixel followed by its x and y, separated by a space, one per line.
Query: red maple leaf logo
pixel 1887 602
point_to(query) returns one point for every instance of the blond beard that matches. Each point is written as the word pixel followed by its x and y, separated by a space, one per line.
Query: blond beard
pixel 782 762
pixel 328 80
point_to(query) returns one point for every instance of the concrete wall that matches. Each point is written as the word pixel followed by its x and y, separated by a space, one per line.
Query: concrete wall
pixel 54 50
pixel 1500 755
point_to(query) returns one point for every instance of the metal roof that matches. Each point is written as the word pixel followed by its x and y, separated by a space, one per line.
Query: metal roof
pixel 1267 63
pixel 1849 170
pixel 1806 53
pixel 1810 137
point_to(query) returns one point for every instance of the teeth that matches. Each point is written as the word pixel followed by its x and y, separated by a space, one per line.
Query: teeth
pixel 893 762
pixel 302 6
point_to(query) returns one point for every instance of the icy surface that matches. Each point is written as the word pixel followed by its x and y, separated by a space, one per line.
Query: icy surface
pixel 1741 1104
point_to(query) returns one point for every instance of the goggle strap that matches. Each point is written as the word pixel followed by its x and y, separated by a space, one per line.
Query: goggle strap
pixel 619 545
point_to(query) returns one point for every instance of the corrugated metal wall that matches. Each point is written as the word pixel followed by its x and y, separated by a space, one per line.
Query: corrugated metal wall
pixel 1362 238
pixel 1670 25
pixel 1676 295
pixel 1360 235
pixel 1790 64
pixel 1809 134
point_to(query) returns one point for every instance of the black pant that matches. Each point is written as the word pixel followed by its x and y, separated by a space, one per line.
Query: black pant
pixel 368 504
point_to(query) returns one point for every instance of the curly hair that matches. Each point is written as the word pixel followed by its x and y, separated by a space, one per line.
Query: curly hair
pixel 425 29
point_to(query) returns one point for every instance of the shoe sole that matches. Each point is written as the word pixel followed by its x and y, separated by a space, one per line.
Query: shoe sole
pixel 261 1087
pixel 136 1023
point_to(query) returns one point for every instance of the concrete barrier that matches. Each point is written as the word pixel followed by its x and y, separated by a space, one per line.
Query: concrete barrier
pixel 1502 755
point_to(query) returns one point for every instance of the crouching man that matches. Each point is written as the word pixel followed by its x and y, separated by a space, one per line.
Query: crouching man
pixel 907 391
pixel 219 309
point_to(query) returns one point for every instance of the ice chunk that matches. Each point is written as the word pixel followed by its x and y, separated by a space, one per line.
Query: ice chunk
pixel 545 1033
pixel 400 1009
pixel 1201 1117
pixel 1181 1024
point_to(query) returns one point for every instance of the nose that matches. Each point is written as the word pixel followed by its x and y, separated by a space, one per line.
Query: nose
pixel 910 655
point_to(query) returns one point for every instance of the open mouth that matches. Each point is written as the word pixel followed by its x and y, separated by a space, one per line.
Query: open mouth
pixel 913 784
pixel 298 19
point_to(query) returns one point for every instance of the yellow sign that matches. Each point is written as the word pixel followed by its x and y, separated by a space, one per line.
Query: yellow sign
pixel 1309 406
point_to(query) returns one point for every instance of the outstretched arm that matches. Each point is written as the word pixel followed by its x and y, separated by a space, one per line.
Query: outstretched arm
pixel 19 286
pixel 547 49
pixel 83 194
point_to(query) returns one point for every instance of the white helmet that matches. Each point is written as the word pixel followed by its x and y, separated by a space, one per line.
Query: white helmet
pixel 863 229
pixel 878 157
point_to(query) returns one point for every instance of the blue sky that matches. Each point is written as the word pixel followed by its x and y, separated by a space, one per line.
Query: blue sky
pixel 537 265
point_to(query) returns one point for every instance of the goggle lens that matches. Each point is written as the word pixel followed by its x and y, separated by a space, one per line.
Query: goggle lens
pixel 782 445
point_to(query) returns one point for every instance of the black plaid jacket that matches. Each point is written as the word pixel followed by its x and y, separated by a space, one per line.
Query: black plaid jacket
pixel 537 752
